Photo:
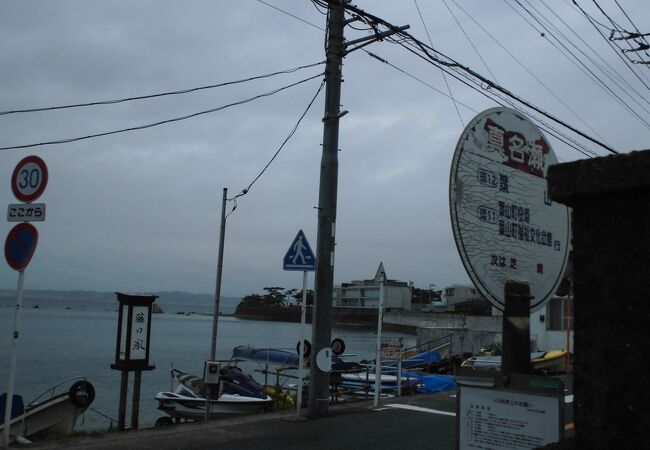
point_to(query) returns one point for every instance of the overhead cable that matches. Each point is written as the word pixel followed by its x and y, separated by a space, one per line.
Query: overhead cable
pixel 609 89
pixel 162 122
pixel 444 77
pixel 142 97
pixel 618 53
pixel 530 72
pixel 289 136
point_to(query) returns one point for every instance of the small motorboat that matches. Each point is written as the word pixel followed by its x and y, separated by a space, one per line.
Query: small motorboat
pixel 49 413
pixel 239 394
pixel 550 362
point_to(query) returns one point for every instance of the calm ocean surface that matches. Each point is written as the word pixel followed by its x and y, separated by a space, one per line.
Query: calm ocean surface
pixel 57 343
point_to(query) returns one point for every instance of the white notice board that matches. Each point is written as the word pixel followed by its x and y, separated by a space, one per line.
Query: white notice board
pixel 500 419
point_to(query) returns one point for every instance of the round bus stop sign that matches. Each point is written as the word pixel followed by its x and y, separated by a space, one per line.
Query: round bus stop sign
pixel 505 226
pixel 20 245
pixel 29 179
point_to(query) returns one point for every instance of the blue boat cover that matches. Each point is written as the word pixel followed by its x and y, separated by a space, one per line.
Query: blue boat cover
pixel 434 383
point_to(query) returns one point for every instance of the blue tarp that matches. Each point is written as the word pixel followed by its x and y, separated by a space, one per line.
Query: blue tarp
pixel 434 383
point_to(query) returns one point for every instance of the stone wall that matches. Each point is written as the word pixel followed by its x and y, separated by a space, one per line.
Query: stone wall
pixel 610 198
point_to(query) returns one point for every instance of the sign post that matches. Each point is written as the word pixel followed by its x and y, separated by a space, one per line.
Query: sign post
pixel 300 257
pixel 514 243
pixel 28 182
pixel 380 320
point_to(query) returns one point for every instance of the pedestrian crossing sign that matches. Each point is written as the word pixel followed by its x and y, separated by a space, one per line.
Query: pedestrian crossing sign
pixel 299 256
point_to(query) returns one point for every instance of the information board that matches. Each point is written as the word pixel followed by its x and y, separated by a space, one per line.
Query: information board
pixel 506 420
pixel 500 411
pixel 504 223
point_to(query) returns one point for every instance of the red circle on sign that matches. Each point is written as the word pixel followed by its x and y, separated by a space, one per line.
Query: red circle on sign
pixel 29 179
pixel 20 245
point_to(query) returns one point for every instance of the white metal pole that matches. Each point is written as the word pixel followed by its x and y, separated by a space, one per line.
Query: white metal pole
pixel 303 312
pixel 399 372
pixel 12 358
pixel 380 319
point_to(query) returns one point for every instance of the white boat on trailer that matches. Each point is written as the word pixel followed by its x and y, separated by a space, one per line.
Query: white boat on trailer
pixel 240 395
pixel 49 413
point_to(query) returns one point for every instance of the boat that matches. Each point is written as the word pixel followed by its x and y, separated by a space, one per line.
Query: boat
pixel 49 413
pixel 549 362
pixel 239 394
pixel 553 361
pixel 426 358
pixel 366 381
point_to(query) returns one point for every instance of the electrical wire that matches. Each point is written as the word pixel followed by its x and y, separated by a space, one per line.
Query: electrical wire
pixel 289 14
pixel 491 85
pixel 444 77
pixel 641 35
pixel 618 53
pixel 612 72
pixel 574 61
pixel 162 122
pixel 247 189
pixel 531 73
pixel 142 97
pixel 617 27
pixel 380 59
pixel 451 64
pixel 470 41
pixel 602 83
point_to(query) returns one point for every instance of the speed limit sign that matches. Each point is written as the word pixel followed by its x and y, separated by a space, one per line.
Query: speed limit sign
pixel 29 179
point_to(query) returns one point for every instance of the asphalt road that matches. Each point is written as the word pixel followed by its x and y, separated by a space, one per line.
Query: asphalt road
pixel 415 422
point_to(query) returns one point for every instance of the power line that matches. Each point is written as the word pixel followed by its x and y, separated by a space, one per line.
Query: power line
pixel 612 71
pixel 491 85
pixel 374 20
pixel 142 97
pixel 622 102
pixel 380 59
pixel 469 40
pixel 289 136
pixel 502 100
pixel 531 73
pixel 176 119
pixel 291 15
pixel 444 77
pixel 620 55
pixel 640 35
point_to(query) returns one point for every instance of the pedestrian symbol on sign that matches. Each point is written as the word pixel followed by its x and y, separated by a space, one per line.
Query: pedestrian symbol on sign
pixel 299 256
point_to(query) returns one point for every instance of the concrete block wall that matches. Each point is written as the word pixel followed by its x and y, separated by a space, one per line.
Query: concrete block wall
pixel 610 198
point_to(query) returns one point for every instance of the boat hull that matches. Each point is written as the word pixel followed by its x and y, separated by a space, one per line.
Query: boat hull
pixel 180 407
pixel 56 416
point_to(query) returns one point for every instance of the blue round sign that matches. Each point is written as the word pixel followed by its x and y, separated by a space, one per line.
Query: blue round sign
pixel 20 245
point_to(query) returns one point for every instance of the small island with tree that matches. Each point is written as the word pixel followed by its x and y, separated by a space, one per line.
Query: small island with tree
pixel 276 304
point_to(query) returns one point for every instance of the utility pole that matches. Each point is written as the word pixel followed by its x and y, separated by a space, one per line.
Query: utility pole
pixel 324 278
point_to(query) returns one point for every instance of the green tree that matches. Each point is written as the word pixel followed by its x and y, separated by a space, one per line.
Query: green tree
pixel 310 297
pixel 274 296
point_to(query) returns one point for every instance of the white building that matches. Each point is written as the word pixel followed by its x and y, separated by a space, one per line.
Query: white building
pixel 365 293
pixel 549 324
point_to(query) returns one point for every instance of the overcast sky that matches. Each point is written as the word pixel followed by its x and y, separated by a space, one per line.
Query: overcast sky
pixel 139 211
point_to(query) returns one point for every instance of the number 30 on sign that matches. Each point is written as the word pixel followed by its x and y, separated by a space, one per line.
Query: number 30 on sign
pixel 29 179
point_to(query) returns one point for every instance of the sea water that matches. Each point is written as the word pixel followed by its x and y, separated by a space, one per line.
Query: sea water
pixel 59 340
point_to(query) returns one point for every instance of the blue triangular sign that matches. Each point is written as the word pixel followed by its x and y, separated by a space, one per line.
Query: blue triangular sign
pixel 299 256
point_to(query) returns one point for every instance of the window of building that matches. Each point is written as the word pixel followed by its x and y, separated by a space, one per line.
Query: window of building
pixel 559 311
pixel 449 292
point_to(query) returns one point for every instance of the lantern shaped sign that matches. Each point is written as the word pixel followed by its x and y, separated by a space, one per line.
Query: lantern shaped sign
pixel 133 331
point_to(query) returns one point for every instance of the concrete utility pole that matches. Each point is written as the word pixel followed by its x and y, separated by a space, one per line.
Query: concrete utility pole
pixel 322 312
